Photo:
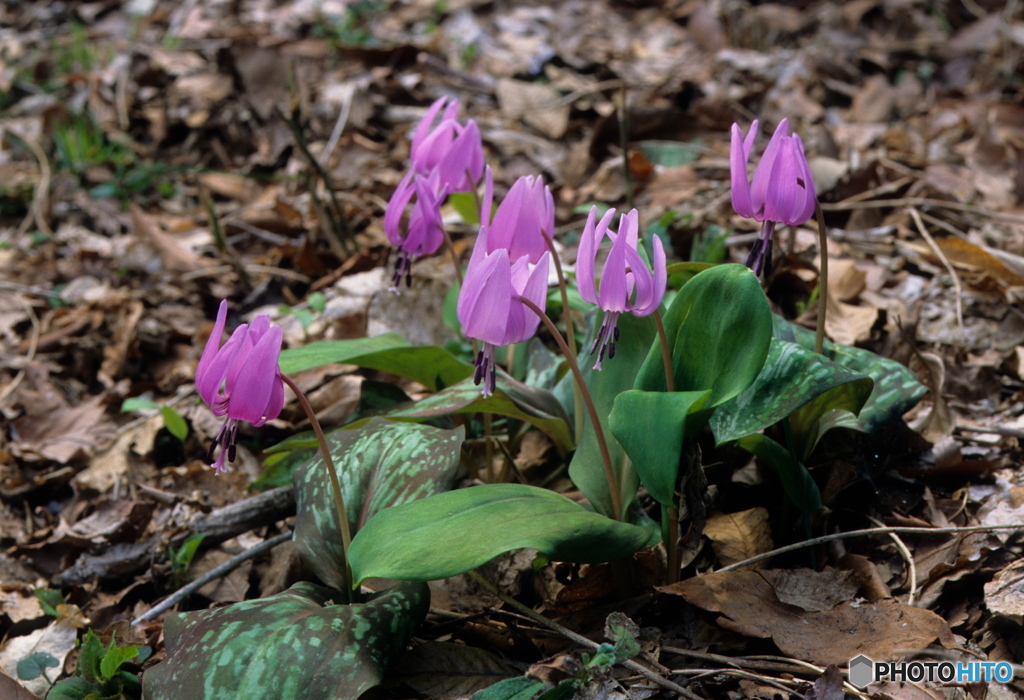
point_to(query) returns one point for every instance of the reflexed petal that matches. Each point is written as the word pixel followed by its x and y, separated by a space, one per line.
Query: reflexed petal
pixel 396 207
pixel 425 125
pixel 660 275
pixel 488 201
pixel 505 224
pixel 486 296
pixel 212 343
pixel 276 403
pixel 462 166
pixel 209 385
pixel 614 290
pixel 252 395
pixel 762 174
pixel 644 282
pixel 590 240
pixel 811 202
pixel 786 197
pixel 738 158
pixel 536 290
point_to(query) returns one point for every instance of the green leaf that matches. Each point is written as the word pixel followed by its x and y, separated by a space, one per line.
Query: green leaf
pixel 446 669
pixel 719 328
pixel 138 403
pixel 379 465
pixel 652 427
pixel 317 302
pixel 35 665
pixel 671 154
pixel 451 533
pixel 429 365
pixel 176 425
pixel 791 378
pixel 514 399
pixel 114 657
pixel 797 482
pixel 896 389
pixel 618 374
pixel 49 599
pixel 465 204
pixel 89 662
pixel 73 688
pixel 297 645
pixel 521 688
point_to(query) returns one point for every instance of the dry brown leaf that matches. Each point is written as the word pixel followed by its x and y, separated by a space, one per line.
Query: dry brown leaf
pixel 1004 595
pixel 56 639
pixel 829 686
pixel 813 591
pixel 64 434
pixel 536 104
pixel 10 689
pixel 230 185
pixel 115 355
pixel 750 607
pixel 107 467
pixel 968 256
pixel 669 187
pixel 173 255
pixel 739 536
pixel 19 603
pixel 941 420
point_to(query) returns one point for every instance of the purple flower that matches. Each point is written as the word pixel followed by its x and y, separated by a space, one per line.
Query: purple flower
pixel 490 308
pixel 422 233
pixel 523 218
pixel 240 379
pixel 782 191
pixel 627 285
pixel 452 149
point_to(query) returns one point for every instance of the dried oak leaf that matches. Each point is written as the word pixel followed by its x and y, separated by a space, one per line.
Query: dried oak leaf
pixel 750 606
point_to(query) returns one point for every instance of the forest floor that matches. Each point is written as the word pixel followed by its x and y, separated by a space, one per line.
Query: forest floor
pixel 157 157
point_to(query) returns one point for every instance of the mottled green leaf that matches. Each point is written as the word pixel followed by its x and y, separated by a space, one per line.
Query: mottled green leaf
pixel 297 645
pixel 792 378
pixel 427 364
pixel 719 328
pixel 379 465
pixel 453 532
pixel 618 374
pixel 896 389
pixel 797 482
pixel 652 427
pixel 514 399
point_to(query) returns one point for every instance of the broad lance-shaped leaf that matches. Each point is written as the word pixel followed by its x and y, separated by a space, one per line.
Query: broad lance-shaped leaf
pixel 297 645
pixel 451 533
pixel 792 378
pixel 380 465
pixel 719 328
pixel 429 365
pixel 586 469
pixel 896 389
pixel 652 427
pixel 796 480
pixel 514 399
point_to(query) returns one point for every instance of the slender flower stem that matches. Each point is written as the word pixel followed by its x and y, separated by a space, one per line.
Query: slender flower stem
pixel 339 498
pixel 570 332
pixel 666 354
pixel 670 516
pixel 454 256
pixel 623 115
pixel 819 338
pixel 588 400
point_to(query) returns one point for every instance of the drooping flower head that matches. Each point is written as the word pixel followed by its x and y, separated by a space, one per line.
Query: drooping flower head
pixel 452 149
pixel 490 307
pixel 781 192
pixel 422 233
pixel 627 285
pixel 240 379
pixel 522 219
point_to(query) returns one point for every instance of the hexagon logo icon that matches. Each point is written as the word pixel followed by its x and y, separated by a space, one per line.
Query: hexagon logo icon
pixel 861 671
